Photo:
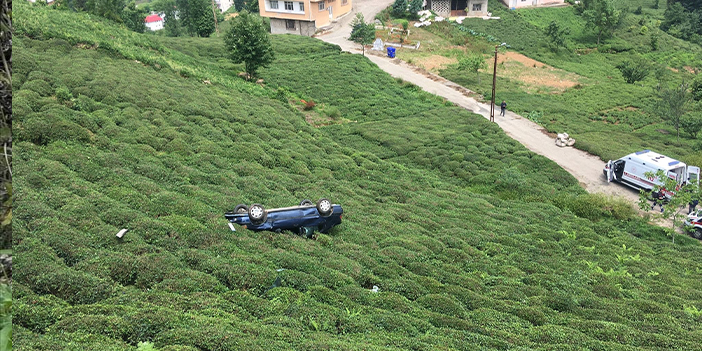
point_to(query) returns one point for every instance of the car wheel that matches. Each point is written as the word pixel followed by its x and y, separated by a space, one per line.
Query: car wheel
pixel 697 234
pixel 257 214
pixel 306 202
pixel 324 206
pixel 241 208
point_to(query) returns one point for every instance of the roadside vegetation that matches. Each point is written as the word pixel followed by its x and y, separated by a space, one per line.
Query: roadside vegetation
pixel 473 241
pixel 607 95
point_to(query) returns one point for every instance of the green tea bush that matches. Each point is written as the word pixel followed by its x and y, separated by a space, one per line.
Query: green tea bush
pixel 36 312
pixel 111 326
pixel 39 86
pixel 442 304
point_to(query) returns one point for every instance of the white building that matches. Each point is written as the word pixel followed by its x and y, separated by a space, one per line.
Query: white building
pixel 224 5
pixel 154 22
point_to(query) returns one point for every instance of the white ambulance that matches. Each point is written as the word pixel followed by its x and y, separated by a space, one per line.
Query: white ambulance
pixel 630 170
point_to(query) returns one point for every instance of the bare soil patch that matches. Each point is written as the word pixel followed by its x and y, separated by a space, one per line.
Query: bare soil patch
pixel 434 63
pixel 536 76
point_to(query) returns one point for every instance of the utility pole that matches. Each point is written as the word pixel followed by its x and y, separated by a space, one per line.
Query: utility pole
pixel 494 80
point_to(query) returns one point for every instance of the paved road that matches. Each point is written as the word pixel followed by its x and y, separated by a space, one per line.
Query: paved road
pixel 583 166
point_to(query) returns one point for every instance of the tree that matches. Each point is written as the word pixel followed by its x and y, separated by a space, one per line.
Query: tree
pixel 602 16
pixel 362 33
pixel 634 71
pixel 556 34
pixel 472 63
pixel 673 104
pixel 691 124
pixel 171 24
pixel 678 197
pixel 399 7
pixel 110 9
pixel 696 88
pixel 239 5
pixel 415 6
pixel 134 18
pixel 196 16
pixel 248 42
pixel 252 6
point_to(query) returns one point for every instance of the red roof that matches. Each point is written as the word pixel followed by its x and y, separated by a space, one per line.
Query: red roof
pixel 153 18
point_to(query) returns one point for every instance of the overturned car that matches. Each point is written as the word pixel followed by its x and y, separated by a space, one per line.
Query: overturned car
pixel 304 219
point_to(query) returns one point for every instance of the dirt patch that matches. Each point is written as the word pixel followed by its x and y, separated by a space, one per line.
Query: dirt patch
pixel 546 132
pixel 692 70
pixel 537 76
pixel 435 63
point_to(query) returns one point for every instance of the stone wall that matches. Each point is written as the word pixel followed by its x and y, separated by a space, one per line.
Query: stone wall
pixel 306 28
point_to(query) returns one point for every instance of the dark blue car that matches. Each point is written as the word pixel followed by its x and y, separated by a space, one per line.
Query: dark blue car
pixel 303 219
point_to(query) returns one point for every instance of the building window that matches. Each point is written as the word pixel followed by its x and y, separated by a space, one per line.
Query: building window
pixel 302 6
pixel 288 5
pixel 290 24
pixel 274 5
pixel 477 7
pixel 321 6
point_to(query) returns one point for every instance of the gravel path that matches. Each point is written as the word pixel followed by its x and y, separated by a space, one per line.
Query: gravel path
pixel 583 166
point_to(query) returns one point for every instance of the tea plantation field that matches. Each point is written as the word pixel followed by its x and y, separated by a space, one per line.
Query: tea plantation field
pixel 474 242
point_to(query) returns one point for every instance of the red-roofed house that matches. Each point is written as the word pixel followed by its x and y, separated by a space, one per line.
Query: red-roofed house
pixel 154 22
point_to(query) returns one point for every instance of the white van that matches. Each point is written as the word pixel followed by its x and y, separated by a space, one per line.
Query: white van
pixel 630 170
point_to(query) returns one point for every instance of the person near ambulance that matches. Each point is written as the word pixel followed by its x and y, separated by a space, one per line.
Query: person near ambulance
pixel 658 198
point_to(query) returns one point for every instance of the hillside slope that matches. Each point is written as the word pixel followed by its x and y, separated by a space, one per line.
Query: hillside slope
pixel 473 241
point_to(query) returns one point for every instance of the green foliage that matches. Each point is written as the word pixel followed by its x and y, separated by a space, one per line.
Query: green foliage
pixel 5 317
pixel 134 17
pixel 634 71
pixel 248 42
pixel 196 16
pixel 399 8
pixel 556 34
pixel 472 63
pixel 171 23
pixel 110 9
pixel 673 103
pixel 691 123
pixel 361 32
pixel 239 5
pixel 414 7
pixel 682 20
pixel 696 88
pixel 603 17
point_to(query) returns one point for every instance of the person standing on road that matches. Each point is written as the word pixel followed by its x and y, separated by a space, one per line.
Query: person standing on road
pixel 503 107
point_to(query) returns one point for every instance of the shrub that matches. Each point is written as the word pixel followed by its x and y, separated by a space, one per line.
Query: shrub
pixel 63 95
pixel 37 312
pixel 445 305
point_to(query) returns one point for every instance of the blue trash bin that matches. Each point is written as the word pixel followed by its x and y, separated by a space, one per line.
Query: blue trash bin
pixel 391 52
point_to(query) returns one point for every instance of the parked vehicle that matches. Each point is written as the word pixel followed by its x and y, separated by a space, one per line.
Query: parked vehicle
pixel 693 222
pixel 303 219
pixel 631 170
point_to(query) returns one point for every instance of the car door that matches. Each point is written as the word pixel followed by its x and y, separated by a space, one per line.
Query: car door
pixel 610 171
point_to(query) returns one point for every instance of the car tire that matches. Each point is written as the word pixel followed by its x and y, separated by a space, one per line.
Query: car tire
pixel 697 234
pixel 324 207
pixel 257 214
pixel 306 202
pixel 241 208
